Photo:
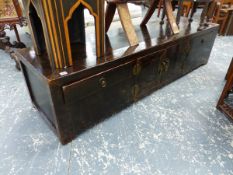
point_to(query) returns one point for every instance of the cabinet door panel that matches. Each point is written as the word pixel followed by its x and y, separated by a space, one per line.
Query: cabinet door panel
pixel 148 76
pixel 169 65
pixel 88 86
pixel 197 51
pixel 91 110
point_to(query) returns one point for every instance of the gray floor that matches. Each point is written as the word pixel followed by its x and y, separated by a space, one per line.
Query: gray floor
pixel 176 130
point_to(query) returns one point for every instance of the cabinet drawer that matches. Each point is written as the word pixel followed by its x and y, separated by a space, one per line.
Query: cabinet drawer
pixel 99 82
pixel 97 107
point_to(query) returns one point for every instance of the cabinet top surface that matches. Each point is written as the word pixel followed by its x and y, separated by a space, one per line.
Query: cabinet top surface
pixel 153 37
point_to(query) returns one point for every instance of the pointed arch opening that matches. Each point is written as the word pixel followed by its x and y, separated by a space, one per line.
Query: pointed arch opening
pixel 37 30
pixel 80 42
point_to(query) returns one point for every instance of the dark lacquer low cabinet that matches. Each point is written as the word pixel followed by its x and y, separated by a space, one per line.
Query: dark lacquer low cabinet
pixel 84 96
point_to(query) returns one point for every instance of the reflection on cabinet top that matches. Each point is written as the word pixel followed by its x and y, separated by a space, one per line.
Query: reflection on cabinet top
pixel 152 39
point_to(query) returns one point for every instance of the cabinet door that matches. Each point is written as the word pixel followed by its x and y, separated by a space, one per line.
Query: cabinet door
pixel 169 65
pixel 198 50
pixel 147 72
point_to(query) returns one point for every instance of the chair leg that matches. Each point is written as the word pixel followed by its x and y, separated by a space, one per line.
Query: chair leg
pixel 150 12
pixel 109 15
pixel 163 16
pixel 16 33
pixel 194 8
pixel 100 30
pixel 188 10
pixel 221 31
pixel 171 19
pixel 159 8
pixel 126 22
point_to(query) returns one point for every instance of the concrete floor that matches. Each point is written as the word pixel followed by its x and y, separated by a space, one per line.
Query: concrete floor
pixel 176 130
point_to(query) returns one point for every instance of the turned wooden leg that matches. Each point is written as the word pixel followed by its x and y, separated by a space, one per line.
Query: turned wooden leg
pixel 194 8
pixel 127 25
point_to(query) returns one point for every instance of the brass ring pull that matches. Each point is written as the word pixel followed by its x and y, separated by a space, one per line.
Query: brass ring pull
pixel 103 82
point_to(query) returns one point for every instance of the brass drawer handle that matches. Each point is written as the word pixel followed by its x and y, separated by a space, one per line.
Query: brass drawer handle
pixel 103 82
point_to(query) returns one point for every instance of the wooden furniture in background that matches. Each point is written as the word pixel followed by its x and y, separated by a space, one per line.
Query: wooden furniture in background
pixel 229 23
pixel 187 6
pixel 221 13
pixel 225 103
pixel 125 18
pixel 207 12
pixel 10 16
pixel 167 11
